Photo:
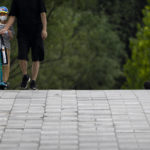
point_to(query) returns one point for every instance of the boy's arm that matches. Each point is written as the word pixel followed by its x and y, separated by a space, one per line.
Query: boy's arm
pixel 10 22
pixel 44 23
pixel 10 34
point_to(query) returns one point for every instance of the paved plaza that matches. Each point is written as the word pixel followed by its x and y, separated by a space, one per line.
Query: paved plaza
pixel 75 120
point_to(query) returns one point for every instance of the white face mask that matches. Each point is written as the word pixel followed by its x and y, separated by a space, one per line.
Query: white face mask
pixel 3 18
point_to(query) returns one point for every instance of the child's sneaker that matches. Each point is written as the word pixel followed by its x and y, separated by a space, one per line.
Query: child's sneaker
pixel 33 85
pixel 25 81
pixel 3 85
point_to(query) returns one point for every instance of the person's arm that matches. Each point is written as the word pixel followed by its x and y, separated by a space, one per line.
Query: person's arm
pixel 10 22
pixel 12 17
pixel 10 34
pixel 44 23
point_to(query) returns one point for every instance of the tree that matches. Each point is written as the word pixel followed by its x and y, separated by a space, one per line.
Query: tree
pixel 137 69
pixel 87 52
pixel 85 48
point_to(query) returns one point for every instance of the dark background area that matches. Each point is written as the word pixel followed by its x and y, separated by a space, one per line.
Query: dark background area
pixel 87 46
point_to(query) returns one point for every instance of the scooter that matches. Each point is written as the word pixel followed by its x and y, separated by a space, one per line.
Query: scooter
pixel 3 61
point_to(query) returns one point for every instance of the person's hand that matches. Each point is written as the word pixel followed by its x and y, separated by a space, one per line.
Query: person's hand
pixel 3 31
pixel 44 34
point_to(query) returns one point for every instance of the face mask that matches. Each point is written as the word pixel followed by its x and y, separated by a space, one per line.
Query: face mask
pixel 3 18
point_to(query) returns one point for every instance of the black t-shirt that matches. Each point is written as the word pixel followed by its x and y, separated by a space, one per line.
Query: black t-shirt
pixel 27 13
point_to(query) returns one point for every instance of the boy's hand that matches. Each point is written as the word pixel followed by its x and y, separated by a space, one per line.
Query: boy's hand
pixel 44 34
pixel 3 31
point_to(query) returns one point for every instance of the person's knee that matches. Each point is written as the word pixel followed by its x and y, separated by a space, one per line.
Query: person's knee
pixel 23 61
pixel 36 62
pixel 6 66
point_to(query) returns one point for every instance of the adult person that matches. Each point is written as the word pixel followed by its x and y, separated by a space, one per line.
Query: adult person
pixel 31 31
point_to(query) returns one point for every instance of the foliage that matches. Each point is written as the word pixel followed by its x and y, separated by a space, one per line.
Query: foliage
pixel 86 46
pixel 137 69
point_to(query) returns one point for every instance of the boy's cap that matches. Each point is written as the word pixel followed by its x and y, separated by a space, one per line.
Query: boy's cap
pixel 4 9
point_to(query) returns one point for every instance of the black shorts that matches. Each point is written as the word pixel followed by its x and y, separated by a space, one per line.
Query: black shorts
pixel 33 42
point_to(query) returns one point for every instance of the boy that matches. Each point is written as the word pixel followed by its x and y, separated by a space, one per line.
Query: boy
pixel 6 37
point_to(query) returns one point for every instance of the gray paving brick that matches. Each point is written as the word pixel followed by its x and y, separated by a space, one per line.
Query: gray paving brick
pixel 75 120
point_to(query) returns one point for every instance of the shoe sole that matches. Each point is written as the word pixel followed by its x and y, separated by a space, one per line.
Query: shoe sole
pixel 33 88
pixel 27 84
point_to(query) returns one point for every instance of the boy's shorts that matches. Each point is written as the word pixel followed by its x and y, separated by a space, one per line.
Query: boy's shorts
pixel 35 43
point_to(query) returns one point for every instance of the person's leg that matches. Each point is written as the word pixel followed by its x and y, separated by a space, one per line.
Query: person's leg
pixel 25 78
pixel 6 68
pixel 23 45
pixel 37 57
pixel 35 69
pixel 23 65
